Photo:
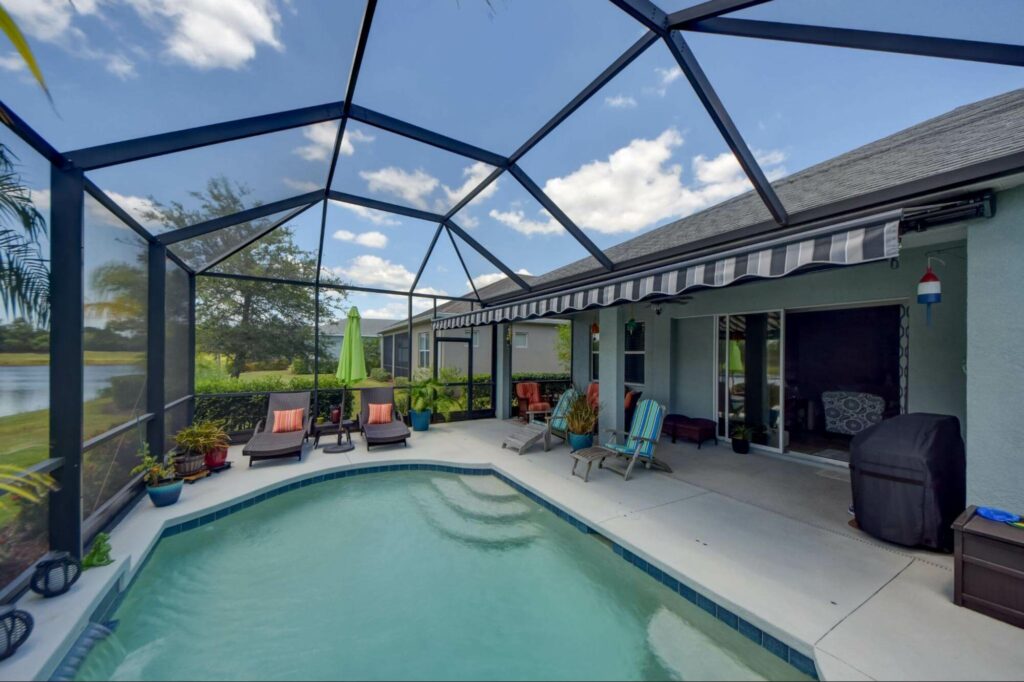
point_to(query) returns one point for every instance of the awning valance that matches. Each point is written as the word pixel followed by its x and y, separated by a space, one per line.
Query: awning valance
pixel 851 243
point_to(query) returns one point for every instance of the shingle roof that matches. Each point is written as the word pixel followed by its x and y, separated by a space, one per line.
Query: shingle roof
pixel 368 326
pixel 965 136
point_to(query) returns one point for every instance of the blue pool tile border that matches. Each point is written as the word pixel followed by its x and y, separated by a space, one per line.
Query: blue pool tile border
pixel 801 662
pixel 791 656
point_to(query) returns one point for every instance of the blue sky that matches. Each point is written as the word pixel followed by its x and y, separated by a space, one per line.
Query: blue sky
pixel 640 153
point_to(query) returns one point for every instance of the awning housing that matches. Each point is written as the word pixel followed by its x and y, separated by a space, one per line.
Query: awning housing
pixel 851 243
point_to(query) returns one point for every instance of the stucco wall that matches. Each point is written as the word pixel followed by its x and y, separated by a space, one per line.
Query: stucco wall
pixel 995 360
pixel 693 349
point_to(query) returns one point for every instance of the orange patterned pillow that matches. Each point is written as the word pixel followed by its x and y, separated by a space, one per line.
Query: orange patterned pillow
pixel 286 421
pixel 380 414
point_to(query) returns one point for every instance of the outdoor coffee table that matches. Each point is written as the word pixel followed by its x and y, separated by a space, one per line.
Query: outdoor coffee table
pixel 589 455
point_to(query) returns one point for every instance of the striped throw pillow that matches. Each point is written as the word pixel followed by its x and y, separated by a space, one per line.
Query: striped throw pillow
pixel 286 421
pixel 380 414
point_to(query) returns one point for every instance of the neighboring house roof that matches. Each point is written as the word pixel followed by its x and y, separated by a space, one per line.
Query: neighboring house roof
pixel 968 135
pixel 368 326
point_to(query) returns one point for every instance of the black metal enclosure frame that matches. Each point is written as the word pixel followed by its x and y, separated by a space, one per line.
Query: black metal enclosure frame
pixel 69 185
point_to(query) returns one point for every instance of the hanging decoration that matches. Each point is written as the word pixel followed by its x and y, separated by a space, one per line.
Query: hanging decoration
pixel 595 329
pixel 929 290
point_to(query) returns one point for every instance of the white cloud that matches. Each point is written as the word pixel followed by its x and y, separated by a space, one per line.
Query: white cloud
pixel 321 138
pixel 375 271
pixel 397 308
pixel 637 185
pixel 372 215
pixel 620 102
pixel 517 220
pixel 211 35
pixel 371 240
pixel 667 77
pixel 121 66
pixel 301 185
pixel 491 277
pixel 12 61
pixel 414 188
pixel 474 175
pixel 137 207
pixel 47 20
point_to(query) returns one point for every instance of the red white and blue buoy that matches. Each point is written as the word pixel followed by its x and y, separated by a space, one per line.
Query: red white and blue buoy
pixel 929 291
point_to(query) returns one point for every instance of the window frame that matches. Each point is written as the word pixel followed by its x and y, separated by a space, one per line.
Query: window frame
pixel 423 347
pixel 595 354
pixel 523 335
pixel 643 355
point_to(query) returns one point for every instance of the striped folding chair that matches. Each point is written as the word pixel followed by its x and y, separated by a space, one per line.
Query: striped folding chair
pixel 641 440
pixel 557 425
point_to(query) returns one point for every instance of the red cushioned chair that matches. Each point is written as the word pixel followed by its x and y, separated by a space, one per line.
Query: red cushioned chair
pixel 528 393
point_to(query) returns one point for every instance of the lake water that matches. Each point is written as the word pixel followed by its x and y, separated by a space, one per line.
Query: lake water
pixel 24 389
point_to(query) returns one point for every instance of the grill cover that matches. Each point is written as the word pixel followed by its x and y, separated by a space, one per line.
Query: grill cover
pixel 909 479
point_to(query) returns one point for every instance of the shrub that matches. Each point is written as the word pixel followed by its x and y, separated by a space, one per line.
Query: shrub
pixel 380 374
pixel 127 391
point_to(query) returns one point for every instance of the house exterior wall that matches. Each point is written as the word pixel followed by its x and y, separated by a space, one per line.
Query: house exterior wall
pixel 995 360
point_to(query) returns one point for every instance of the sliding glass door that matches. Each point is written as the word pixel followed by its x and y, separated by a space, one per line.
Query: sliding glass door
pixel 749 381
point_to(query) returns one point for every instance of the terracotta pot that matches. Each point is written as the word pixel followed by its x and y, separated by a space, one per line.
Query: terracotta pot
pixel 215 458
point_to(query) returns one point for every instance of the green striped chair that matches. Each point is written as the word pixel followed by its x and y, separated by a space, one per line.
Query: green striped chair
pixel 641 439
pixel 557 425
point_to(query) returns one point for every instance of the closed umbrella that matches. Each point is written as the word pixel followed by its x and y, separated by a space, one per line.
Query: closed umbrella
pixel 351 362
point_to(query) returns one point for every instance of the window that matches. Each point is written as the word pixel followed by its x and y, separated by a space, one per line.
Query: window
pixel 595 354
pixel 636 345
pixel 476 338
pixel 424 347
pixel 521 340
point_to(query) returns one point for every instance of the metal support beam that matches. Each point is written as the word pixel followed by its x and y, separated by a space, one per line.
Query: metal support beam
pixel 91 158
pixel 707 10
pixel 414 132
pixel 495 261
pixel 530 186
pixel 256 237
pixel 925 46
pixel 327 285
pixel 709 98
pixel 646 12
pixel 67 357
pixel 191 347
pixel 106 202
pixel 384 206
pixel 316 312
pixel 426 257
pixel 31 137
pixel 469 275
pixel 254 213
pixel 409 328
pixel 156 347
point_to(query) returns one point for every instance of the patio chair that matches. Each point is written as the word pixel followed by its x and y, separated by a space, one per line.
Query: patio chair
pixel 530 400
pixel 265 444
pixel 641 440
pixel 391 432
pixel 557 426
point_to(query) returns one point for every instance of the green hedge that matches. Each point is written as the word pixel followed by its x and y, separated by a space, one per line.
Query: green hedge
pixel 242 412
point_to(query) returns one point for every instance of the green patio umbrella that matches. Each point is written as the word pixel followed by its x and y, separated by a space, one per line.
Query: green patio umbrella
pixel 351 363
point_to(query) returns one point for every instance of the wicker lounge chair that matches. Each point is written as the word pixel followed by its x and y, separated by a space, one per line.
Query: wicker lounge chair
pixel 265 444
pixel 394 431
pixel 641 439
pixel 557 425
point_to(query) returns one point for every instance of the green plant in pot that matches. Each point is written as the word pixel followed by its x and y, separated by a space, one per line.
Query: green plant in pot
pixel 428 397
pixel 203 445
pixel 741 439
pixel 158 475
pixel 581 419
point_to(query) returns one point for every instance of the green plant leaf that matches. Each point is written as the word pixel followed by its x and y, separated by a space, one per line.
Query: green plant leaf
pixel 17 38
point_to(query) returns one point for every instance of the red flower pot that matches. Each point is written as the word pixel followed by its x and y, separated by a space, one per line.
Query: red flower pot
pixel 216 458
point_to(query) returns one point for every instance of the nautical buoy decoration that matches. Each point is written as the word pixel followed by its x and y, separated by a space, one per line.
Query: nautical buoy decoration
pixel 929 291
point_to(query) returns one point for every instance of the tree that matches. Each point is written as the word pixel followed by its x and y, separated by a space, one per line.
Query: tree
pixel 24 269
pixel 249 321
pixel 563 346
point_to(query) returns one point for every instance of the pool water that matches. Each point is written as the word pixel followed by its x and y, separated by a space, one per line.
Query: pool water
pixel 409 575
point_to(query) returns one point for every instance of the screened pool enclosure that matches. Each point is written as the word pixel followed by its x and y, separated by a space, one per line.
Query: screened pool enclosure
pixel 200 252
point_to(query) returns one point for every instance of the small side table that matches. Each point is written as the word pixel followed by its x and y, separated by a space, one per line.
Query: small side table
pixel 322 429
pixel 344 430
pixel 589 456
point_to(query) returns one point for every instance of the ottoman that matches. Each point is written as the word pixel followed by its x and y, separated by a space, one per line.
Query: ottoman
pixel 689 428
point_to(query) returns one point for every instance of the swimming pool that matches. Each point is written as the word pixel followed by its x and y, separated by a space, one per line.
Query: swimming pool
pixel 409 575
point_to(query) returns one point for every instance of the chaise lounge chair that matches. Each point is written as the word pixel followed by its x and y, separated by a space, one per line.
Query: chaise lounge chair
pixel 641 439
pixel 557 425
pixel 265 444
pixel 394 431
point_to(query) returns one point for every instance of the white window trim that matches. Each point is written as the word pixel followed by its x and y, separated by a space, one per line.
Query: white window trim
pixel 475 334
pixel 424 336
pixel 521 335
pixel 643 352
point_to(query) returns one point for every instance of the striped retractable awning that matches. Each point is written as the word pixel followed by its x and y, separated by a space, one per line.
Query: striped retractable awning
pixel 860 241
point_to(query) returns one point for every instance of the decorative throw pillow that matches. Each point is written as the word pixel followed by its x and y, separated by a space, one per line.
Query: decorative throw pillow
pixel 380 414
pixel 286 421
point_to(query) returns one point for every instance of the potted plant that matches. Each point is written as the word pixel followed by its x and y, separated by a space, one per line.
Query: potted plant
pixel 203 445
pixel 161 485
pixel 428 396
pixel 741 439
pixel 581 418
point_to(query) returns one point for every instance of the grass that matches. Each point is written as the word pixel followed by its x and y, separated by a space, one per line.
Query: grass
pixel 25 437
pixel 92 357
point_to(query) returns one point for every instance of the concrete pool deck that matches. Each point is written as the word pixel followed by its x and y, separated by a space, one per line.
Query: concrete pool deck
pixel 769 542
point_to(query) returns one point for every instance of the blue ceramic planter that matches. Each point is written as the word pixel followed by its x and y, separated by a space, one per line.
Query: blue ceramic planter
pixel 166 494
pixel 420 420
pixel 580 441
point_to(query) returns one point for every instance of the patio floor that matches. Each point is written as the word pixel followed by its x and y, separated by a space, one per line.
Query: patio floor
pixel 764 537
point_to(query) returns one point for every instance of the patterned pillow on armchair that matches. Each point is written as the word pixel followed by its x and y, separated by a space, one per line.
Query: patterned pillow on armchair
pixel 850 412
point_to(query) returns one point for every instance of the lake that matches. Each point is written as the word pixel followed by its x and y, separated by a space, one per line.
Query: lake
pixel 24 389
